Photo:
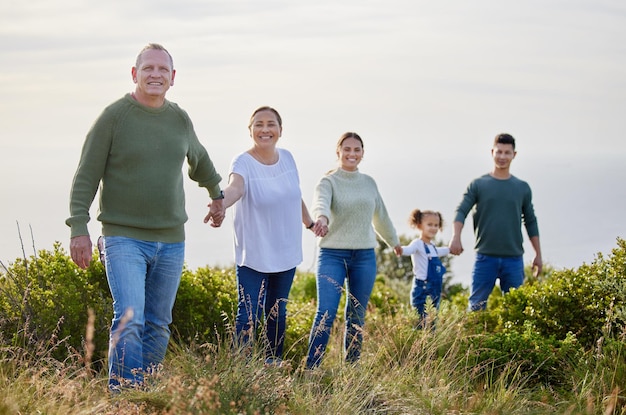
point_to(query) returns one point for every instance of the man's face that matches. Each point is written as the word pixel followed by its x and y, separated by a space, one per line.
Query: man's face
pixel 503 155
pixel 155 74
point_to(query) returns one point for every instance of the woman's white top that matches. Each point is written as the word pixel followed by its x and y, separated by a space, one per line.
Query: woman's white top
pixel 268 217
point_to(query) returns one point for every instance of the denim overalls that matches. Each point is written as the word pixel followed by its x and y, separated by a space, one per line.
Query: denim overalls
pixel 430 287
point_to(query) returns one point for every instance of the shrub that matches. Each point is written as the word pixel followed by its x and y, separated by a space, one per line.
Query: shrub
pixel 543 360
pixel 385 300
pixel 45 300
pixel 588 301
pixel 206 301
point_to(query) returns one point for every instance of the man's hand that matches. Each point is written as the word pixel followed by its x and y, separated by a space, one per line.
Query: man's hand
pixel 537 266
pixel 81 250
pixel 456 248
pixel 455 245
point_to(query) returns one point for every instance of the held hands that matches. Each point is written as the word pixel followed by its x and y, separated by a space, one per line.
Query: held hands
pixel 216 214
pixel 456 248
pixel 81 250
pixel 320 228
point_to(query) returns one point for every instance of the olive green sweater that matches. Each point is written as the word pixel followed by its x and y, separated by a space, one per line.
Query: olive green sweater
pixel 352 204
pixel 135 154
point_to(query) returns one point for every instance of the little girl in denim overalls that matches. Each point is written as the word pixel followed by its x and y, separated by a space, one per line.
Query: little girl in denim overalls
pixel 428 270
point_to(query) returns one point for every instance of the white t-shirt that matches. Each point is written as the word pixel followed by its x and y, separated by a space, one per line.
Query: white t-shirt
pixel 419 257
pixel 268 217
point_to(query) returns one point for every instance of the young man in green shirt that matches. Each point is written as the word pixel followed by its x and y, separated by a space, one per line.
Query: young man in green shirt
pixel 134 154
pixel 502 204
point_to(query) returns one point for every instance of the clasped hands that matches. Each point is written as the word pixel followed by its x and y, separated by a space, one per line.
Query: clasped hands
pixel 217 213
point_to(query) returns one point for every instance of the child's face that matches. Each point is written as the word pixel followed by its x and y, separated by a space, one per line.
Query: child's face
pixel 429 225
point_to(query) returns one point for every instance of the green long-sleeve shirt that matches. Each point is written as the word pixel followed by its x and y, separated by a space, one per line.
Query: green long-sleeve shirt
pixel 501 206
pixel 135 154
pixel 352 203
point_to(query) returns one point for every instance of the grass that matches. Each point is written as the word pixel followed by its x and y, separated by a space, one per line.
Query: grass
pixel 402 371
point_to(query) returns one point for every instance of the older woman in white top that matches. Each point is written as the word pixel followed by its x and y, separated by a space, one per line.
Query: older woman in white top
pixel 264 188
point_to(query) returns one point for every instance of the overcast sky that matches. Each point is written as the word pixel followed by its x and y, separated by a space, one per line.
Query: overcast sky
pixel 426 84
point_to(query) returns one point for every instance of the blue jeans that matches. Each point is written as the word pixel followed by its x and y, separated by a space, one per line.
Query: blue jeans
pixel 265 294
pixel 510 271
pixel 334 267
pixel 143 278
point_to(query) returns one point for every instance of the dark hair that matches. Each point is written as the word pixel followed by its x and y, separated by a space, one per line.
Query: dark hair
pixel 153 46
pixel 347 135
pixel 417 215
pixel 266 108
pixel 504 139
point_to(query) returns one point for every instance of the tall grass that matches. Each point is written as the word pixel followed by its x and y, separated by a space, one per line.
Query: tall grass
pixel 402 371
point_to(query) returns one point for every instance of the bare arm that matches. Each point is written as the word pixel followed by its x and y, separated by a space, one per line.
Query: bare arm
pixel 232 193
pixel 306 216
pixel 318 227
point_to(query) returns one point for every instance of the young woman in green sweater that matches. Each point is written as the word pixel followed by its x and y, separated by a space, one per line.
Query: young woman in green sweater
pixel 350 212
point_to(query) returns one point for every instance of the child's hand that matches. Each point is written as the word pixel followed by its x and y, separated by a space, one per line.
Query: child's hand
pixel 398 250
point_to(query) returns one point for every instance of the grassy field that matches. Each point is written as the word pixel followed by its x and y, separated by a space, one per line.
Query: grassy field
pixel 556 345
pixel 402 371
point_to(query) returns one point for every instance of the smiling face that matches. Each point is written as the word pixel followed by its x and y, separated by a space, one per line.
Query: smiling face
pixel 265 129
pixel 154 75
pixel 429 225
pixel 350 153
pixel 503 155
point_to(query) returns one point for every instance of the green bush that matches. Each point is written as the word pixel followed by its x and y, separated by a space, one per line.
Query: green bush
pixel 588 301
pixel 205 306
pixel 44 303
pixel 543 360
pixel 385 300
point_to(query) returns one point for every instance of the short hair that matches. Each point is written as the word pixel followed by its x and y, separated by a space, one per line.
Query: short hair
pixel 266 108
pixel 504 138
pixel 153 46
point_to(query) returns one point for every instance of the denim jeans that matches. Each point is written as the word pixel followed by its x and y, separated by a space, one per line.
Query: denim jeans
pixel 510 271
pixel 334 267
pixel 143 278
pixel 263 294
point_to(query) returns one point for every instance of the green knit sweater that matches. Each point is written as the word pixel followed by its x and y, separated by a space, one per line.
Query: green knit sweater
pixel 135 154
pixel 500 208
pixel 352 204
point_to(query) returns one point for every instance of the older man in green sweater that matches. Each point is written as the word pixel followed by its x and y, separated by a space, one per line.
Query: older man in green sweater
pixel 134 153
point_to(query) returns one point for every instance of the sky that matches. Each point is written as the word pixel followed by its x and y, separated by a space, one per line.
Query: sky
pixel 426 84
